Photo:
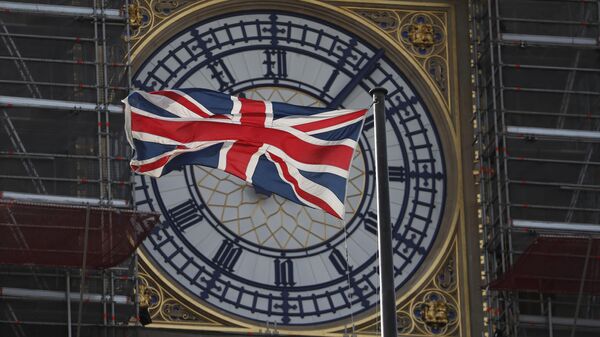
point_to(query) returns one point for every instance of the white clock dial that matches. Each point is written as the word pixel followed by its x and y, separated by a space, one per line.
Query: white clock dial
pixel 260 257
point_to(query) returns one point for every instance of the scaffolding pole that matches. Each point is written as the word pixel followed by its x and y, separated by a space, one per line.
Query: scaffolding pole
pixel 27 102
pixel 548 40
pixel 83 270
pixel 68 298
pixel 581 285
pixel 55 295
pixel 63 200
pixel 58 10
pixel 556 226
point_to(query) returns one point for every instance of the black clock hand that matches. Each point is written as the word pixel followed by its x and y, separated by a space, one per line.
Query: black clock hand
pixel 365 71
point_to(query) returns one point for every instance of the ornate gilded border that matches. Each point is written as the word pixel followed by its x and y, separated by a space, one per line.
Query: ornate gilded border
pixel 435 309
pixel 166 17
pixel 422 34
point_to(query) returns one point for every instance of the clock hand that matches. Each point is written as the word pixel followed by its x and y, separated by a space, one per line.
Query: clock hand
pixel 365 71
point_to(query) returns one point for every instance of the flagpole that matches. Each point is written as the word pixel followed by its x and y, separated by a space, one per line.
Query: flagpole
pixel 384 238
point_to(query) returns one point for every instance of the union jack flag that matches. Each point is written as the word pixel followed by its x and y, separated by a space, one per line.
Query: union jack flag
pixel 300 153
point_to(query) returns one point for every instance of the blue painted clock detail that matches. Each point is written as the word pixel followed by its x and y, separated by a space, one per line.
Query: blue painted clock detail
pixel 259 257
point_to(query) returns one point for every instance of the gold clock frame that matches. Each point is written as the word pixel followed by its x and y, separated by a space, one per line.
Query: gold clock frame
pixel 442 97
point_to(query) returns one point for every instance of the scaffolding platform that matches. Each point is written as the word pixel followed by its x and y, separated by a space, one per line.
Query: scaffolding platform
pixel 59 235
pixel 555 265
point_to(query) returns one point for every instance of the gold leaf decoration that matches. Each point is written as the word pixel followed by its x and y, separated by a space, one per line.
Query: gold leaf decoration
pixel 145 15
pixel 386 20
pixel 422 34
pixel 433 311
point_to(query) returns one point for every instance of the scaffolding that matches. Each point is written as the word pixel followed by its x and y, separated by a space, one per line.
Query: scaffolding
pixel 64 66
pixel 536 79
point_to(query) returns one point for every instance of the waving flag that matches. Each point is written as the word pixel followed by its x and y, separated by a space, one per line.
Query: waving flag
pixel 300 153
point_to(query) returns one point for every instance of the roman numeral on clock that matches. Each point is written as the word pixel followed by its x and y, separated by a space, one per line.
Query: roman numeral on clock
pixel 397 173
pixel 276 64
pixel 370 222
pixel 185 215
pixel 284 272
pixel 227 255
pixel 339 262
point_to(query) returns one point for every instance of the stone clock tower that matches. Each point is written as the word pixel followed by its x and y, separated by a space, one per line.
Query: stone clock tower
pixel 230 258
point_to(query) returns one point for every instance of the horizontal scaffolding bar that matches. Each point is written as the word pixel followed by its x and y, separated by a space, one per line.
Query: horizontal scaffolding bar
pixel 26 102
pixel 565 321
pixel 59 199
pixel 59 10
pixel 556 226
pixel 53 156
pixel 545 21
pixel 35 59
pixel 557 68
pixel 550 39
pixel 556 300
pixel 90 273
pixel 69 61
pixel 49 37
pixel 562 185
pixel 562 133
pixel 552 91
pixel 550 1
pixel 63 323
pixel 553 161
pixel 555 207
pixel 81 181
pixel 65 85
pixel 546 113
pixel 51 295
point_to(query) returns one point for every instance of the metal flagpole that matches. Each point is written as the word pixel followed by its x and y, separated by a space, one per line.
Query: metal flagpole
pixel 384 237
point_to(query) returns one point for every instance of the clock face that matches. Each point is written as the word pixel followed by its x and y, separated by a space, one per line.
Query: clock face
pixel 260 257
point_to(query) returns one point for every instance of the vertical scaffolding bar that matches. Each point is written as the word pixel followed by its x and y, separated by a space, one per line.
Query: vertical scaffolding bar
pixel 98 100
pixel 503 190
pixel 105 101
pixel 112 301
pixel 500 236
pixel 550 327
pixel 581 285
pixel 83 271
pixel 135 276
pixel 68 295
pixel 104 306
